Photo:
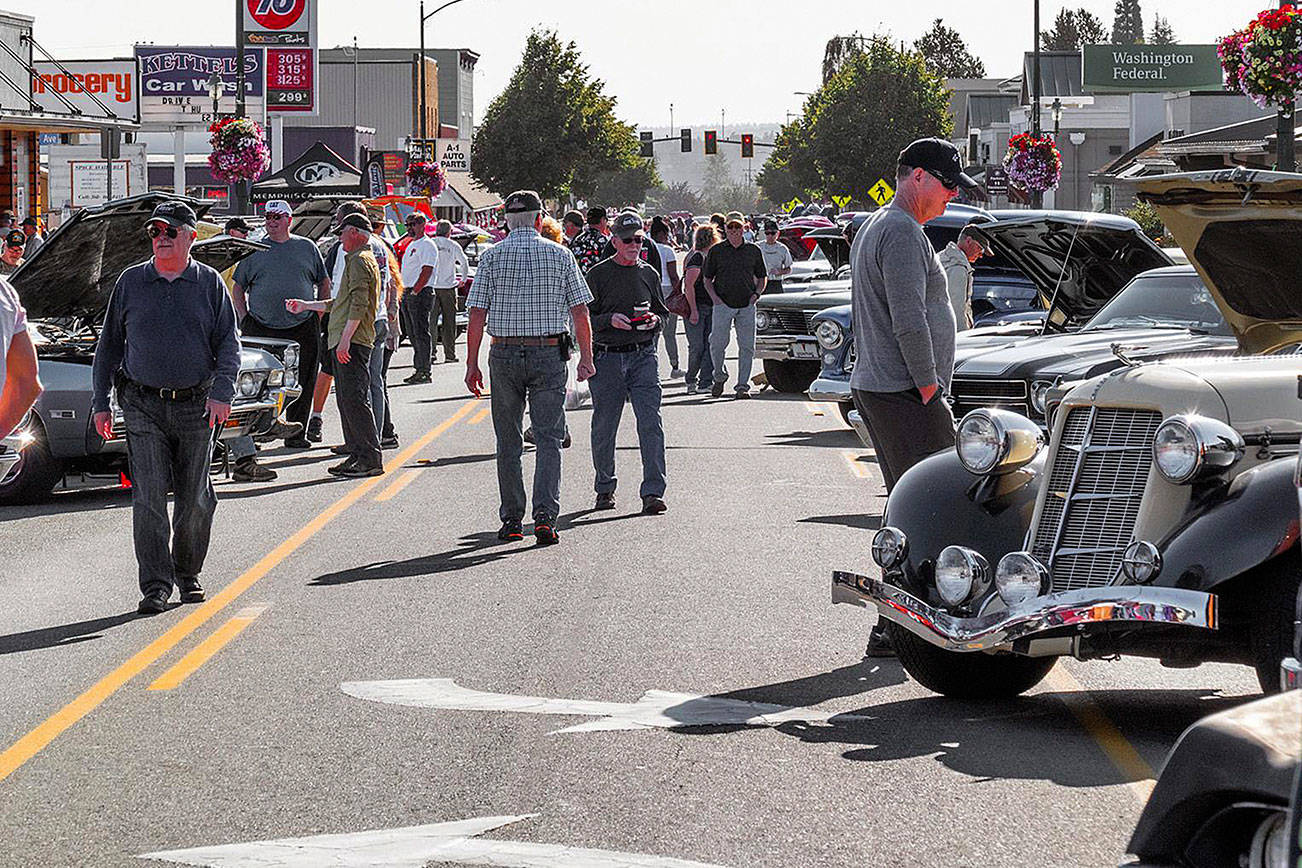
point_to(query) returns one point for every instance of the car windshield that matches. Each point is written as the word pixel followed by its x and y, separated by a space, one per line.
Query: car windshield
pixel 1168 300
pixel 1004 297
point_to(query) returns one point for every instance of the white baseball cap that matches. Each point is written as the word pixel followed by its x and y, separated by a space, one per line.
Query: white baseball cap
pixel 278 206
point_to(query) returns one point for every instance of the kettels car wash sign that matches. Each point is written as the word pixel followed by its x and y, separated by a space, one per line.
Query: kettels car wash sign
pixel 1151 68
pixel 174 83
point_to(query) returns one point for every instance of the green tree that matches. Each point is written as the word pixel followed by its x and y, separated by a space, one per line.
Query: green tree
pixel 1073 29
pixel 627 186
pixel 679 196
pixel 717 176
pixel 552 129
pixel 1146 216
pixel 838 50
pixel 789 172
pixel 1127 23
pixel 1162 34
pixel 947 54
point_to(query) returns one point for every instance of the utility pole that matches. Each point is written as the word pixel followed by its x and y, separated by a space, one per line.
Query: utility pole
pixel 671 119
pixel 1285 151
pixel 723 128
pixel 424 133
pixel 354 85
pixel 1037 199
pixel 241 187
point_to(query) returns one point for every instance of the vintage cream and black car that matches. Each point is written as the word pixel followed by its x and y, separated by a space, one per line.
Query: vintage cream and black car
pixel 1160 518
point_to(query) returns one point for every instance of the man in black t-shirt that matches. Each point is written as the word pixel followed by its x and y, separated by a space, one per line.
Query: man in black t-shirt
pixel 735 276
pixel 626 312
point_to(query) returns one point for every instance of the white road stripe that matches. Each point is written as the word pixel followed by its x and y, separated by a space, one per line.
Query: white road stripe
pixel 656 709
pixel 414 847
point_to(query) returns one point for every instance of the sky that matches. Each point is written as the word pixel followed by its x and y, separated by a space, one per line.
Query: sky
pixel 725 61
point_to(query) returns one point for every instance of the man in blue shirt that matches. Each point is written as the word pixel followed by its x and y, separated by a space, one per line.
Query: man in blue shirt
pixel 170 348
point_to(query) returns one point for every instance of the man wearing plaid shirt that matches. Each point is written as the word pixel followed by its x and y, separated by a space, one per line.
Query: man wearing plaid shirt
pixel 526 291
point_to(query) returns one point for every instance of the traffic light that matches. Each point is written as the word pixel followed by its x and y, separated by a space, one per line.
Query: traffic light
pixel 687 140
pixel 711 142
pixel 648 146
pixel 747 145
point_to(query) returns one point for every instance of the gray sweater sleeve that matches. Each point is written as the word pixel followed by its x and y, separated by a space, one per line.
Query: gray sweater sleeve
pixel 904 271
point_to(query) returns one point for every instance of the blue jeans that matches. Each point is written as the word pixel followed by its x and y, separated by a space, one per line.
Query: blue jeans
pixel 379 388
pixel 538 375
pixel 169 446
pixel 721 330
pixel 633 376
pixel 700 368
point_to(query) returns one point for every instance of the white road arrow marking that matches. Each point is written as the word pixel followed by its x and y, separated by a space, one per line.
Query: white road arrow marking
pixel 655 710
pixel 414 847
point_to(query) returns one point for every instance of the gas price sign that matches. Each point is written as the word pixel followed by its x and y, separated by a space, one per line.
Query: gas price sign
pixel 291 79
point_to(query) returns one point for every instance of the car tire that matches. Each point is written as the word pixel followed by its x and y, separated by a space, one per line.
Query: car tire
pixel 967 676
pixel 844 408
pixel 793 377
pixel 37 473
pixel 1271 630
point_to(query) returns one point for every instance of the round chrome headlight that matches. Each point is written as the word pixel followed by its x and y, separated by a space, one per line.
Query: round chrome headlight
pixel 761 320
pixel 830 334
pixel 276 377
pixel 1187 446
pixel 1270 844
pixel 1141 562
pixel 991 440
pixel 961 574
pixel 248 385
pixel 291 357
pixel 1039 392
pixel 1019 577
pixel 291 377
pixel 890 546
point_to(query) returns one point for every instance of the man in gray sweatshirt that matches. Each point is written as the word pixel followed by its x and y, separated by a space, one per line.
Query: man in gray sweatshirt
pixel 904 326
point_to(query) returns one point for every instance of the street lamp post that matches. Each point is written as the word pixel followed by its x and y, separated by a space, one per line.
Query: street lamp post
pixel 1037 199
pixel 424 133
pixel 1285 152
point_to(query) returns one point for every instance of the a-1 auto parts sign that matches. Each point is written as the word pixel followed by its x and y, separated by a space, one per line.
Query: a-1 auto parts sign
pixel 115 83
pixel 174 83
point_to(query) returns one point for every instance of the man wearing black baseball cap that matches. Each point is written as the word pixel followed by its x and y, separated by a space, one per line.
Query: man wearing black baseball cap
pixel 904 325
pixel 777 257
pixel 11 255
pixel 32 229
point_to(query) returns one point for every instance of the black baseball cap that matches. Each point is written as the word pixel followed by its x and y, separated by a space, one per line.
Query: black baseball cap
pixel 15 238
pixel 173 212
pixel 626 225
pixel 237 223
pixel 770 226
pixel 357 221
pixel 522 202
pixel 939 157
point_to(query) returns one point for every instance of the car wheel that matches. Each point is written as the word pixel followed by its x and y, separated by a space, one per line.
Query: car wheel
pixel 1273 616
pixel 36 473
pixel 791 377
pixel 967 676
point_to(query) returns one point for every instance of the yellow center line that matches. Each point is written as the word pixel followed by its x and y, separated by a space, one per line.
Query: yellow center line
pixel 480 416
pixel 1139 774
pixel 857 467
pixel 398 485
pixel 207 648
pixel 53 726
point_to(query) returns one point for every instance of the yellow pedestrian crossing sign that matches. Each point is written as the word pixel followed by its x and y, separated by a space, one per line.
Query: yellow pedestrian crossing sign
pixel 881 193
pixel 841 201
pixel 793 204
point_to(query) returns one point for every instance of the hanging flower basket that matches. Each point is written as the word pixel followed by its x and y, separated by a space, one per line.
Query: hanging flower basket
pixel 239 150
pixel 1264 60
pixel 1034 164
pixel 426 179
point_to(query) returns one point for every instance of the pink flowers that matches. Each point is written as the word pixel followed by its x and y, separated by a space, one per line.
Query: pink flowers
pixel 1034 165
pixel 1264 60
pixel 426 179
pixel 239 150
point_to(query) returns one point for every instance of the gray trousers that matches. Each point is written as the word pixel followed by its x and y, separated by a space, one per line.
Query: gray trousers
pixel 903 429
pixel 724 319
pixel 538 375
pixel 445 310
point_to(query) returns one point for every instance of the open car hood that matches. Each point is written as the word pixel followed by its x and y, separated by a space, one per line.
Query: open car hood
pixel 1242 230
pixel 73 273
pixel 1078 261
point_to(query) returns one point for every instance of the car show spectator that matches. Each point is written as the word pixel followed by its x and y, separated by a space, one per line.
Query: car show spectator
pixel 527 291
pixel 571 224
pixel 626 311
pixel 419 262
pixel 650 253
pixel 957 259
pixel 777 257
pixel 588 244
pixel 20 384
pixel 386 328
pixel 31 227
pixel 12 255
pixel 453 268
pixel 669 281
pixel 700 367
pixel 170 349
pixel 734 278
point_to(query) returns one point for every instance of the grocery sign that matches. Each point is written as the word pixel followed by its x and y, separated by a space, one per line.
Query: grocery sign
pixel 1151 68
pixel 115 83
pixel 174 83
pixel 287 29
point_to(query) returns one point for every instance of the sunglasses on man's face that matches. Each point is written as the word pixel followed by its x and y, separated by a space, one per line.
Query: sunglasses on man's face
pixel 155 231
pixel 948 185
pixel 14 245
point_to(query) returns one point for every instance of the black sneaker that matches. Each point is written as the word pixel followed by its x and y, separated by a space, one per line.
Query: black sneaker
pixel 249 470
pixel 511 531
pixel 154 603
pixel 717 390
pixel 545 534
pixel 299 442
pixel 605 500
pixel 417 378
pixel 879 643
pixel 313 430
pixel 191 590
pixel 338 469
pixel 357 470
pixel 652 505
pixel 389 443
pixel 743 393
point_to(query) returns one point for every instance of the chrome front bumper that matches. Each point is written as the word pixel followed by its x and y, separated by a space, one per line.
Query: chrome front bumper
pixel 787 348
pixel 827 389
pixel 999 630
pixel 1290 674
pixel 10 447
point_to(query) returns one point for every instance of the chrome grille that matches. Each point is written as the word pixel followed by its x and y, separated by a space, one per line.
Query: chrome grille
pixel 1095 489
pixel 972 393
pixel 788 322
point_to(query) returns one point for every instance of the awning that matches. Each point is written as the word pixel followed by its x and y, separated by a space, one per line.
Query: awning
pixel 475 197
pixel 318 172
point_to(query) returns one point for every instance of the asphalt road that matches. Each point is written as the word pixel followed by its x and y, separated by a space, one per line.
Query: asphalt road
pixel 727 595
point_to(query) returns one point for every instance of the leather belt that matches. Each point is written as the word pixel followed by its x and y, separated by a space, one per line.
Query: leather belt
pixel 169 394
pixel 546 341
pixel 623 348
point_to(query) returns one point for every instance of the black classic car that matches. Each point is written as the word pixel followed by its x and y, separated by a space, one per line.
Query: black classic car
pixel 1160 519
pixel 65 289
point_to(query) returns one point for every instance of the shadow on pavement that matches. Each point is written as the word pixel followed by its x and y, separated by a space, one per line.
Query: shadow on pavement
pixel 466 397
pixel 840 438
pixel 473 550
pixel 106 496
pixel 66 634
pixel 258 489
pixel 856 520
pixel 452 460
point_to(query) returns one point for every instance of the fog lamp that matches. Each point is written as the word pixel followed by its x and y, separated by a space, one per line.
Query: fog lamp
pixel 961 574
pixel 1019 577
pixel 1141 562
pixel 890 546
pixel 248 385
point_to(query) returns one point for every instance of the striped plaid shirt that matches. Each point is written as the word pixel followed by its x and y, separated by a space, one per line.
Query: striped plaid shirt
pixel 528 285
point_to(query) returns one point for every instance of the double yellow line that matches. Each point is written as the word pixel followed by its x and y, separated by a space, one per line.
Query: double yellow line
pixel 59 722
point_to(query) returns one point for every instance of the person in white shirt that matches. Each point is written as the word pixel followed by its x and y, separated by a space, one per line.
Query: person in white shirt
pixel 777 257
pixel 420 260
pixel 956 260
pixel 19 384
pixel 451 259
pixel 669 281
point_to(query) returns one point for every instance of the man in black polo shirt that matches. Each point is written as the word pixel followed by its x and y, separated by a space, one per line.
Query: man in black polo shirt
pixel 169 346
pixel 626 310
pixel 735 276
